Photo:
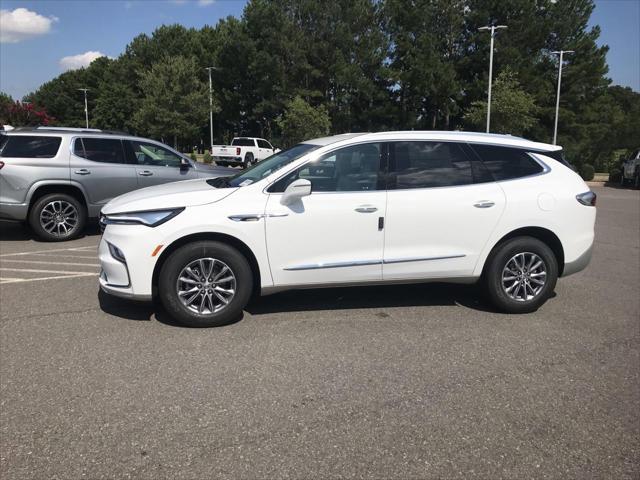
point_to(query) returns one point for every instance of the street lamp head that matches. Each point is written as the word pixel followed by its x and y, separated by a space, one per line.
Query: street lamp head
pixel 558 52
pixel 491 28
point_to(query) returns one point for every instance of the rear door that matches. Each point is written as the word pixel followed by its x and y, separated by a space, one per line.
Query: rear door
pixel 440 212
pixel 99 164
pixel 155 165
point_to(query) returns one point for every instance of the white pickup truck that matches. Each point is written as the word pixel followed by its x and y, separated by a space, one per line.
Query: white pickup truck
pixel 243 151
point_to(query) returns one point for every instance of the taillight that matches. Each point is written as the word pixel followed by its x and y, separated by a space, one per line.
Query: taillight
pixel 587 198
pixel 1 165
pixel 237 150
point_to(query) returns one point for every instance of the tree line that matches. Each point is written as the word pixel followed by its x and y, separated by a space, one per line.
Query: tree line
pixel 290 69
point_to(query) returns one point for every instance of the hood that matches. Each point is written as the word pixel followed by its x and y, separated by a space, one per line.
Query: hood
pixel 187 193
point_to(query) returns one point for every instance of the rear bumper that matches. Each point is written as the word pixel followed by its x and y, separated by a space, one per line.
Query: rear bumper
pixel 579 263
pixel 16 212
pixel 228 159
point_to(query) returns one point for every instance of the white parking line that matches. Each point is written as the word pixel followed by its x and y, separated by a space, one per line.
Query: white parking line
pixel 77 249
pixel 10 260
pixel 87 257
pixel 4 280
pixel 32 270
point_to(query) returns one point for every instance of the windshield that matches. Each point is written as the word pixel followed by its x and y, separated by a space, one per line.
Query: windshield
pixel 264 168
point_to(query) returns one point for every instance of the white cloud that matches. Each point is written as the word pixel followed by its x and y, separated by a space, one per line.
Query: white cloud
pixel 74 62
pixel 20 24
pixel 204 3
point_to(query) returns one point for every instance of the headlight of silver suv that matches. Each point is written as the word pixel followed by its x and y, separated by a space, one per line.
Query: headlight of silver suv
pixel 150 218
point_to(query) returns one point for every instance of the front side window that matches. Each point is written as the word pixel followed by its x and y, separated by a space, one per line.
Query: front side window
pixel 350 169
pixel 27 146
pixel 507 163
pixel 427 165
pixel 103 150
pixel 154 155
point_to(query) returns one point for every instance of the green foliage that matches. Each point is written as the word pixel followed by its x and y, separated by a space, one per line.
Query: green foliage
pixel 301 121
pixel 587 172
pixel 369 65
pixel 175 102
pixel 193 156
pixel 512 109
pixel 207 157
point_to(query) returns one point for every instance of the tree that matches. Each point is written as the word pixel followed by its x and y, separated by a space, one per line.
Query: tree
pixel 512 109
pixel 301 121
pixel 175 103
pixel 21 114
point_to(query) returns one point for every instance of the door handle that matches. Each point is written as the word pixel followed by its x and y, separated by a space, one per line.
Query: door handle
pixel 82 171
pixel 484 204
pixel 145 173
pixel 366 209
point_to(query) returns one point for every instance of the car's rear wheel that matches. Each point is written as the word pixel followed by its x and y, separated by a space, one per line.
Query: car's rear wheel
pixel 248 160
pixel 205 284
pixel 521 275
pixel 57 217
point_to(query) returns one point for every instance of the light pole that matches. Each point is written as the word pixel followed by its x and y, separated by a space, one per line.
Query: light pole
pixel 491 29
pixel 555 126
pixel 86 109
pixel 211 107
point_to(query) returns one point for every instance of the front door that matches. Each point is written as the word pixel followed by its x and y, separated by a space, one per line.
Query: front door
pixel 439 213
pixel 335 234
pixel 156 165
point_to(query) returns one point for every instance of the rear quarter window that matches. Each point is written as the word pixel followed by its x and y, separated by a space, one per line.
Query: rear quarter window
pixel 30 146
pixel 506 163
pixel 243 142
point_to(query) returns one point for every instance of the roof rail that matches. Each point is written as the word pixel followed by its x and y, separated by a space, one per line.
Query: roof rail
pixel 69 130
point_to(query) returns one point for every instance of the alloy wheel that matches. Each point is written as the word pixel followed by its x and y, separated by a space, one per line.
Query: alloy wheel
pixel 524 276
pixel 59 218
pixel 206 286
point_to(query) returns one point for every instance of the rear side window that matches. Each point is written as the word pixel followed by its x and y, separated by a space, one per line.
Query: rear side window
pixel 264 144
pixel 506 163
pixel 103 150
pixel 26 146
pixel 428 165
pixel 243 142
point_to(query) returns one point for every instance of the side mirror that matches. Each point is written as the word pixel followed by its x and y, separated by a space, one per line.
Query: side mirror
pixel 295 191
pixel 184 165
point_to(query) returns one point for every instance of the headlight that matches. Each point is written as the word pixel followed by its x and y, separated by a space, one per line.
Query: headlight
pixel 150 218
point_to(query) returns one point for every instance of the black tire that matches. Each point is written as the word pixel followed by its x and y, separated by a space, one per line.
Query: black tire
pixel 222 164
pixel 180 259
pixel 498 260
pixel 72 209
pixel 248 160
pixel 622 179
pixel 636 181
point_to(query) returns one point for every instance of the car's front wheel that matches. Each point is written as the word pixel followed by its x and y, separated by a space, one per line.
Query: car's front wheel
pixel 521 275
pixel 57 217
pixel 205 284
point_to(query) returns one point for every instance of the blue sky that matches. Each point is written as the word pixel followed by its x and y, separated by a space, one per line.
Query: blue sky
pixel 31 55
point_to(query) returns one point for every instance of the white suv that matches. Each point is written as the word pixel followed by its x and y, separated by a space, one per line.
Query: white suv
pixel 392 207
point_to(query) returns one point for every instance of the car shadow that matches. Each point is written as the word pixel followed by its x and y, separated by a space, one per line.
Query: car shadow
pixel 19 232
pixel 343 298
pixel 617 186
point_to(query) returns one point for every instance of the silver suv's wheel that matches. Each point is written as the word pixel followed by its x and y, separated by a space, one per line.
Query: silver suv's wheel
pixel 205 284
pixel 520 274
pixel 57 217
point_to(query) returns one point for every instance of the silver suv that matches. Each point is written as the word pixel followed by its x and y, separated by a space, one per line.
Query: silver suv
pixel 57 178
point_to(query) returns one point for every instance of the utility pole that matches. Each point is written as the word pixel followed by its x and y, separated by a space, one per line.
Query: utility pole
pixel 86 109
pixel 210 107
pixel 491 29
pixel 555 126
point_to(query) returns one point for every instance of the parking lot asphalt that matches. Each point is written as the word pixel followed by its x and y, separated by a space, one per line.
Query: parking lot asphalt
pixel 416 381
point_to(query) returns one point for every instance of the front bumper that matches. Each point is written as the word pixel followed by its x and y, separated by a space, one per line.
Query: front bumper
pixel 129 274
